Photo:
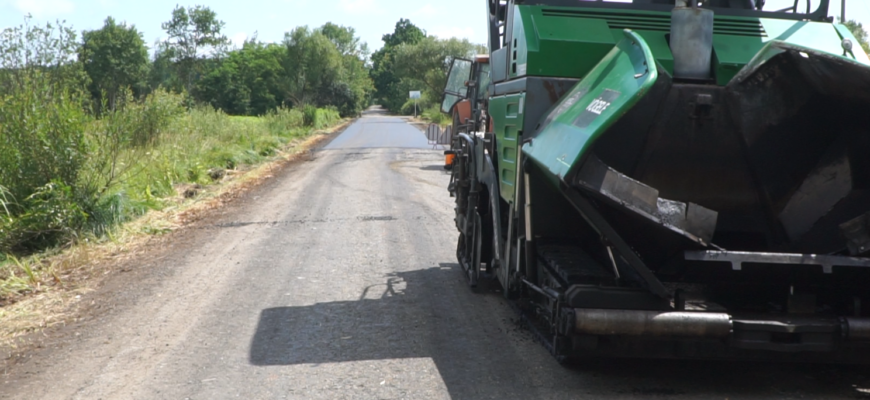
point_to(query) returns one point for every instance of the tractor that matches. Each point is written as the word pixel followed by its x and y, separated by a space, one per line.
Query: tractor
pixel 669 178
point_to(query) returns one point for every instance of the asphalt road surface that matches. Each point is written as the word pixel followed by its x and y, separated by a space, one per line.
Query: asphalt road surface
pixel 337 280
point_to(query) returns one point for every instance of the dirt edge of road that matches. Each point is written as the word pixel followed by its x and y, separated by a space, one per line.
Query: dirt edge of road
pixel 26 324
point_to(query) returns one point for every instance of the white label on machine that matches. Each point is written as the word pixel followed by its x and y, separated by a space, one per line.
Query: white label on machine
pixel 598 106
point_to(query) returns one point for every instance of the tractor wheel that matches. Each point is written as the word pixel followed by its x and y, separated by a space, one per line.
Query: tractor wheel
pixel 468 249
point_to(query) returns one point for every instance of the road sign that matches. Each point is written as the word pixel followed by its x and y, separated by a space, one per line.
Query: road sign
pixel 414 94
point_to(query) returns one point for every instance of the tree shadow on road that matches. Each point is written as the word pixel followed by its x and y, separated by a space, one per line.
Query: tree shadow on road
pixel 482 352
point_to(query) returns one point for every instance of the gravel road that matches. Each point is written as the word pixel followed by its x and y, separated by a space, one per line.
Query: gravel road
pixel 337 280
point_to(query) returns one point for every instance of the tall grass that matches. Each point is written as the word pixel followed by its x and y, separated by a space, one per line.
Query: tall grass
pixel 68 175
pixel 125 173
pixel 434 115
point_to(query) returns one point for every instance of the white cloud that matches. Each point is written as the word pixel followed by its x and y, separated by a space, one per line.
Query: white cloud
pixel 239 39
pixel 359 6
pixel 446 32
pixel 43 8
pixel 427 10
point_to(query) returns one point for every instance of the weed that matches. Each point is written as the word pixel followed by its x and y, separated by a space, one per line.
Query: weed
pixel 434 115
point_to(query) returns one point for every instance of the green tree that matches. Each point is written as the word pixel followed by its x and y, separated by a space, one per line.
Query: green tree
pixel 163 72
pixel 312 63
pixel 350 92
pixel 261 73
pixel 404 33
pixel 345 40
pixel 247 81
pixel 427 62
pixel 42 121
pixel 319 67
pixel 390 90
pixel 193 33
pixel 858 30
pixel 114 57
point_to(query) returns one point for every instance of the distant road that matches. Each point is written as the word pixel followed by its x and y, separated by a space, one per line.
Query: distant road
pixel 337 280
pixel 376 130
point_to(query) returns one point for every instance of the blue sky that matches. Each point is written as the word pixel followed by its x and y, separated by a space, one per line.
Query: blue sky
pixel 270 19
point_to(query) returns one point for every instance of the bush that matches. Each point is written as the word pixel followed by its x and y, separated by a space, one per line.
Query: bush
pixel 433 114
pixel 325 117
pixel 153 115
pixel 120 142
pixel 51 214
pixel 41 138
pixel 283 120
pixel 422 104
pixel 309 114
pixel 319 118
pixel 130 161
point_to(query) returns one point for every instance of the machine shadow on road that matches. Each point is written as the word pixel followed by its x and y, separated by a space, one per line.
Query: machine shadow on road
pixel 481 354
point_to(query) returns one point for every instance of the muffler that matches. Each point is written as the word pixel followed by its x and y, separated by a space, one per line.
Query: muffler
pixel 858 329
pixel 651 323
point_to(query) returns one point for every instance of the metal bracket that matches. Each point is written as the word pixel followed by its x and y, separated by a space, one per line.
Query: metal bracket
pixel 600 224
pixel 737 258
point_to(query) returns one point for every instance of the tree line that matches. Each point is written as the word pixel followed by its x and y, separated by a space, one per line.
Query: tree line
pixel 323 66
pixel 96 128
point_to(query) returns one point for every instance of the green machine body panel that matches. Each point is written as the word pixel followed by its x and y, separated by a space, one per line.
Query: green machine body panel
pixel 508 118
pixel 607 49
pixel 569 42
pixel 619 81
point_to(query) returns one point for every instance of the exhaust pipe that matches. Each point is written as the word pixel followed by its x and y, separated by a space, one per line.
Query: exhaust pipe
pixel 858 329
pixel 651 323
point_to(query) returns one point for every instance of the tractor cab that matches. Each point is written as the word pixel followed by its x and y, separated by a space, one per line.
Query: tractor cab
pixel 465 98
pixel 465 93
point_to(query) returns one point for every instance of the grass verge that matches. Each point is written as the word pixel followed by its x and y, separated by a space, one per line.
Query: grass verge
pixel 45 289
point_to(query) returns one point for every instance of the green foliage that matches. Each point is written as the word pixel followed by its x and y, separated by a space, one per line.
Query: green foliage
pixel 152 116
pixel 410 61
pixel 6 201
pixel 247 81
pixel 121 141
pixel 162 73
pixel 283 120
pixel 404 33
pixel 321 67
pixel 858 30
pixel 312 62
pixel 391 90
pixel 114 57
pixel 66 174
pixel 75 184
pixel 325 117
pixel 44 53
pixel 345 40
pixel 325 69
pixel 51 213
pixel 433 114
pixel 428 62
pixel 351 92
pixel 309 114
pixel 41 137
pixel 41 115
pixel 319 118
pixel 192 32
